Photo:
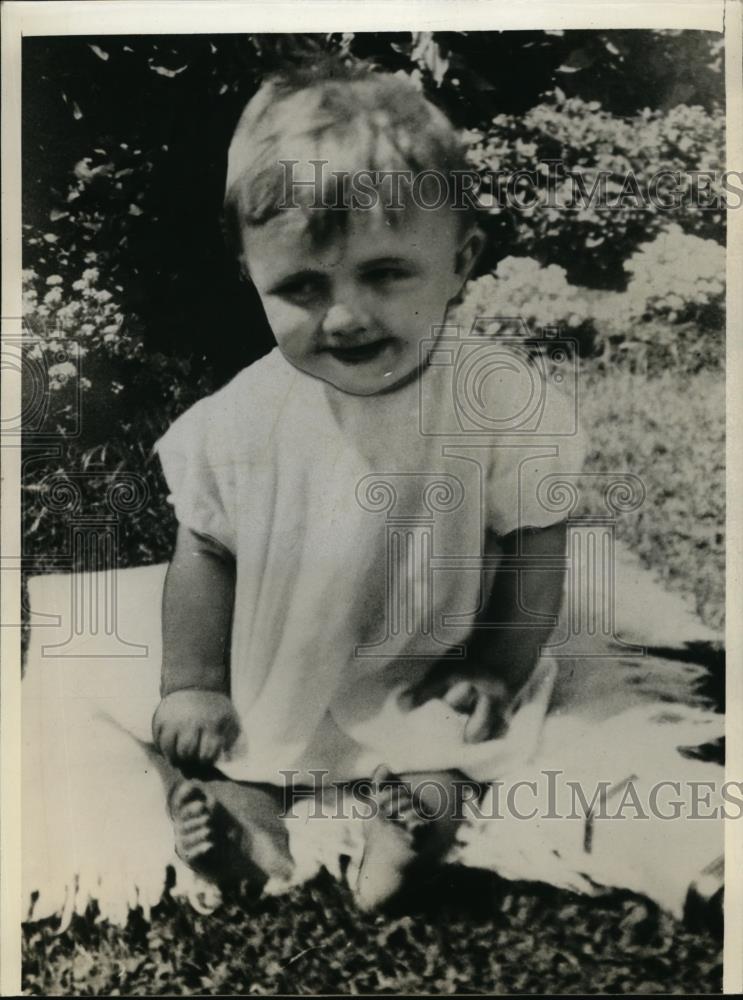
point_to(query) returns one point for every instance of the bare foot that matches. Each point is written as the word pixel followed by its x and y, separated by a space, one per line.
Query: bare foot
pixel 229 833
pixel 394 837
pixel 192 810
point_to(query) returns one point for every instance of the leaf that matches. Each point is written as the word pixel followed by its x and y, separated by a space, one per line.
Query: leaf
pixel 579 59
pixel 170 73
pixel 82 966
pixel 427 53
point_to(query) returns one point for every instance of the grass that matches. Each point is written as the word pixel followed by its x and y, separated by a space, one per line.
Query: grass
pixel 670 431
pixel 469 932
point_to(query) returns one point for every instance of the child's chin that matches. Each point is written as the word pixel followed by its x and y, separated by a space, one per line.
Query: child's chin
pixel 359 384
pixel 363 380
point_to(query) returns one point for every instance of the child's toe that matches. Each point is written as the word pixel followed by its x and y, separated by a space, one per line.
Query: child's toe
pixel 188 799
pixel 195 824
pixel 194 839
pixel 183 793
pixel 190 852
pixel 381 774
pixel 393 804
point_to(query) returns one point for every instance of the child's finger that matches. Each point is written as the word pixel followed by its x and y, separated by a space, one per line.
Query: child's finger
pixel 484 721
pixel 230 731
pixel 209 747
pixel 166 743
pixel 462 697
pixel 196 754
pixel 186 743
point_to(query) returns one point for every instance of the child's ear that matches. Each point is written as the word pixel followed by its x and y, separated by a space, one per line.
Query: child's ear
pixel 468 254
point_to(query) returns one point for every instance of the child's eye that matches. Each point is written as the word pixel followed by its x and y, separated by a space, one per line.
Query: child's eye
pixel 301 292
pixel 386 275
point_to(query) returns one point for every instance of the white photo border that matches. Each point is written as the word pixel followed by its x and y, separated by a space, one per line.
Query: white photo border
pixel 100 17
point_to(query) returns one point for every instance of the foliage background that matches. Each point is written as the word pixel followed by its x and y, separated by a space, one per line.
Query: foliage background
pixel 133 310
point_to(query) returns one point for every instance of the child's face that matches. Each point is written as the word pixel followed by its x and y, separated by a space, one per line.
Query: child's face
pixel 354 311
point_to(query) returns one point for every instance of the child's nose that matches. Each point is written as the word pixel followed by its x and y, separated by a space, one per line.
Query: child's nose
pixel 341 320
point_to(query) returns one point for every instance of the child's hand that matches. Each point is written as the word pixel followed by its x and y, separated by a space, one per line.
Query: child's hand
pixel 485 698
pixel 194 727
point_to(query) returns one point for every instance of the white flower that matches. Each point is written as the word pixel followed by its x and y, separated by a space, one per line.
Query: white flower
pixel 60 374
pixel 54 279
pixel 673 272
pixel 526 149
pixel 521 287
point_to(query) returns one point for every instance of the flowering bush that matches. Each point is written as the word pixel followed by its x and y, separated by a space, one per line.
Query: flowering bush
pixel 673 308
pixel 673 304
pixel 104 400
pixel 562 146
pixel 133 308
pixel 521 287
pixel 70 326
pixel 77 334
pixel 71 321
pixel 679 277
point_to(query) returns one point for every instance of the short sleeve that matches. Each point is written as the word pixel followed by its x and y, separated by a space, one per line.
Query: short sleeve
pixel 199 465
pixel 534 479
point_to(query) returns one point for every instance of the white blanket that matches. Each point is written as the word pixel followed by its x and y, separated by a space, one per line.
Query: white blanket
pixel 94 821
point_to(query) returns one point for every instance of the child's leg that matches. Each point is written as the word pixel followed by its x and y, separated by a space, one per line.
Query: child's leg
pixel 413 827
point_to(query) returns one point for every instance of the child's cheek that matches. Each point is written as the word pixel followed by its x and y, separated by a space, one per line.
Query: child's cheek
pixel 426 311
pixel 293 326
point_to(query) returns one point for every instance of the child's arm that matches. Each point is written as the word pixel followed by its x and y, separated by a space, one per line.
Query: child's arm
pixel 195 720
pixel 500 660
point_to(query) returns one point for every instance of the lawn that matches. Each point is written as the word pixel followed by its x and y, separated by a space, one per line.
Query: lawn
pixel 468 932
pixel 670 431
pixel 473 934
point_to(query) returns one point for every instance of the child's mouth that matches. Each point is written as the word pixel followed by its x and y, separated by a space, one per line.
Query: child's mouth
pixel 361 352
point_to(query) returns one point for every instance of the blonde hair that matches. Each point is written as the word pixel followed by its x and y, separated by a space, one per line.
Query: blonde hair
pixel 352 117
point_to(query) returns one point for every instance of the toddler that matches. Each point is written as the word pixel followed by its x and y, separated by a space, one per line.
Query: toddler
pixel 305 628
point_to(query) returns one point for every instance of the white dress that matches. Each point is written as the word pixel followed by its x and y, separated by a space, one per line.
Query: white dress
pixel 359 525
